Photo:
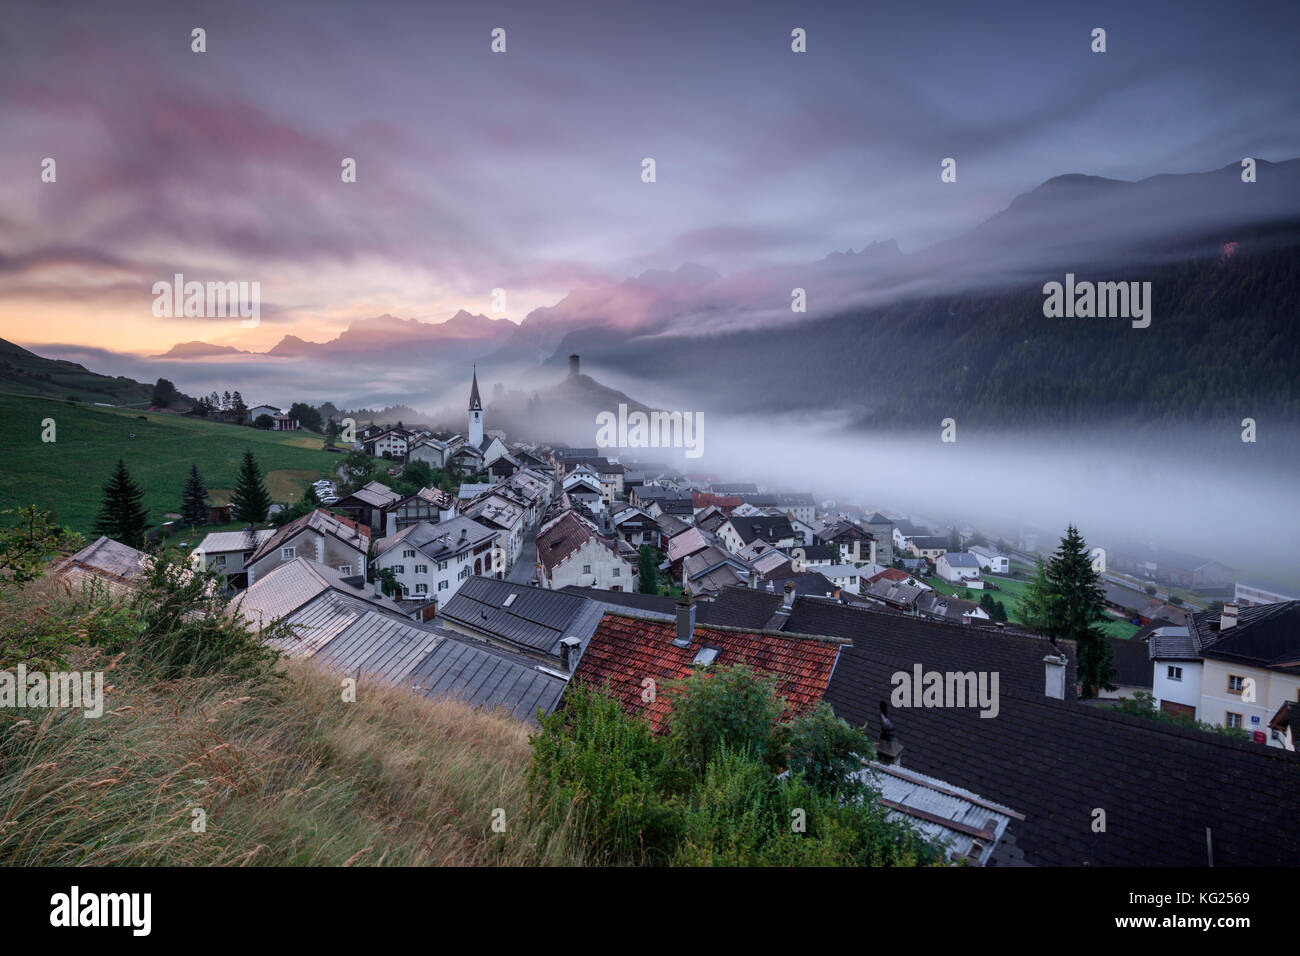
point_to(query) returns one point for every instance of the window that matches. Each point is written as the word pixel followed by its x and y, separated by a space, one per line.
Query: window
pixel 586 569
pixel 408 553
pixel 1234 684
pixel 615 572
pixel 442 565
pixel 219 561
pixel 1175 673
pixel 399 569
pixel 345 568
pixel 443 585
pixel 422 589
pixel 421 569
pixel 288 554
pixel 1232 720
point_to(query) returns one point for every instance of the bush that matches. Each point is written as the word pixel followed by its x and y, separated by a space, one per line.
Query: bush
pixel 733 706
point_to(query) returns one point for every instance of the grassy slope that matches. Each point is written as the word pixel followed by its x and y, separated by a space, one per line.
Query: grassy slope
pixel 69 474
pixel 1010 593
pixel 25 373
pixel 292 778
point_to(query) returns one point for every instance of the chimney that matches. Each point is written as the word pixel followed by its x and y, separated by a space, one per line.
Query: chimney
pixel 1055 673
pixel 379 587
pixel 889 751
pixel 1228 617
pixel 573 366
pixel 570 648
pixel 685 620
pixel 787 600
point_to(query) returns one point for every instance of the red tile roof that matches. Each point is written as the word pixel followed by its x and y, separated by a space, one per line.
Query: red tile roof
pixel 625 650
pixel 890 574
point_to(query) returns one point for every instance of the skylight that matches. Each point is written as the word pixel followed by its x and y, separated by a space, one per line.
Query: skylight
pixel 509 600
pixel 705 657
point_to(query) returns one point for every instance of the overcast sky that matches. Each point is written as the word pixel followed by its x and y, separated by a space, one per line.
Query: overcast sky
pixel 522 170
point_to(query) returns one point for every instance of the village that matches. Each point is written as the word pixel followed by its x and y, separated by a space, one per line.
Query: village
pixel 553 566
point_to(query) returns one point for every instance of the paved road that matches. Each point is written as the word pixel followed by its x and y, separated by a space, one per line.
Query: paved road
pixel 525 569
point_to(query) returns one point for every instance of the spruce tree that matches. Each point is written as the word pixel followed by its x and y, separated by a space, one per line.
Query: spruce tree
pixel 1078 607
pixel 194 508
pixel 251 499
pixel 122 517
pixel 649 582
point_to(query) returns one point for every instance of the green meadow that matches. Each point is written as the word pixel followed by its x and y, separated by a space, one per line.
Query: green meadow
pixel 69 473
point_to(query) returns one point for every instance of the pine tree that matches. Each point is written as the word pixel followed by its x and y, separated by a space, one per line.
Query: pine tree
pixel 122 517
pixel 649 583
pixel 251 499
pixel 1079 605
pixel 194 508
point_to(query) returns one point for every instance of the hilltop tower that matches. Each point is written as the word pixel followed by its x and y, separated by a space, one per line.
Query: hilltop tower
pixel 475 413
pixel 573 366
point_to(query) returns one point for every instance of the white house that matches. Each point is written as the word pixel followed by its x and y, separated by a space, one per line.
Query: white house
pixel 990 560
pixel 960 568
pixel 571 551
pixel 434 560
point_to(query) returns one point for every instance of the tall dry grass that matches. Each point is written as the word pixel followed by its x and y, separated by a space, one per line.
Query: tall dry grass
pixel 286 773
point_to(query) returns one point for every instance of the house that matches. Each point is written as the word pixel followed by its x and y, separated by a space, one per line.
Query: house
pixel 901 595
pixel 427 504
pixel 431 451
pixel 103 563
pixel 1171 795
pixel 627 650
pixel 738 531
pixel 257 411
pixel 363 636
pixel 390 443
pixel 225 553
pixel 711 570
pixel 496 511
pixel 1251 664
pixel 959 568
pixel 285 423
pixel 637 527
pixel 325 538
pixel 990 560
pixel 733 488
pixel 583 487
pixel 847 577
pixel 1252 592
pixel 853 543
pixel 682 546
pixel 1285 725
pixel 927 546
pixel 570 550
pixel 431 561
pixel 368 504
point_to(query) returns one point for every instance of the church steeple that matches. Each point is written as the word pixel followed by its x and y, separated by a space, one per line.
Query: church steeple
pixel 474 404
pixel 475 413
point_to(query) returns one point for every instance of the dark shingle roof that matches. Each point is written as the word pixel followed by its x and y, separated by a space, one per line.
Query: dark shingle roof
pixel 536 619
pixel 1056 761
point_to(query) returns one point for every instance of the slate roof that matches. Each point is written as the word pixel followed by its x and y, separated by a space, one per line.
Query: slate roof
pixel 626 650
pixel 107 560
pixel 687 543
pixel 375 494
pixel 356 638
pixel 1056 761
pixel 768 527
pixel 960 559
pixel 285 588
pixel 438 541
pixel 321 522
pixel 226 542
pixel 633 600
pixel 923 542
pixel 535 620
pixel 1267 635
